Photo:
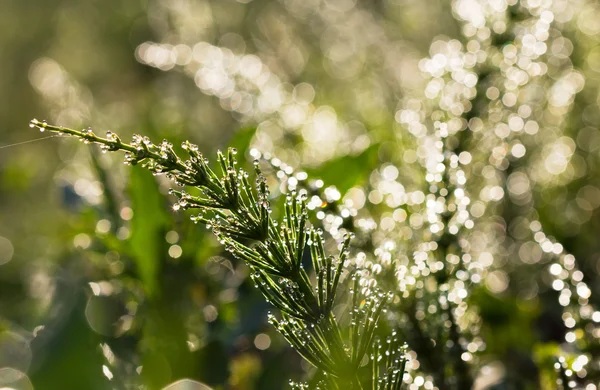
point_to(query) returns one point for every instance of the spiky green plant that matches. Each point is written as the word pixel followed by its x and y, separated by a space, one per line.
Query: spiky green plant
pixel 239 215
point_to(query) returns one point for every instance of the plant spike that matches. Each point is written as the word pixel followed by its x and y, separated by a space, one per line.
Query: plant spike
pixel 238 213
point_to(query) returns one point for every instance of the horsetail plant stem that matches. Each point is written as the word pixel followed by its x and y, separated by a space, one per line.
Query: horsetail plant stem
pixel 240 217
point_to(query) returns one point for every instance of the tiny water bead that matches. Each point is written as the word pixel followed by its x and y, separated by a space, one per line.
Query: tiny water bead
pixel 40 125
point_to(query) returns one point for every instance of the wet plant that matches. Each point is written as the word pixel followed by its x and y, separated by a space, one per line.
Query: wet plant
pixel 287 258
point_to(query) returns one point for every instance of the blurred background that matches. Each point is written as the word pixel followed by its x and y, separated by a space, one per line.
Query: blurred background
pixel 102 286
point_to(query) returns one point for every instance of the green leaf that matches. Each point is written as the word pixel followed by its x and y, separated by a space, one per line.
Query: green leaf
pixel 347 171
pixel 148 227
pixel 110 197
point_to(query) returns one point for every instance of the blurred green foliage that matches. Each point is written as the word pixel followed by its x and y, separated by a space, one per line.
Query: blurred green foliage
pixel 101 273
